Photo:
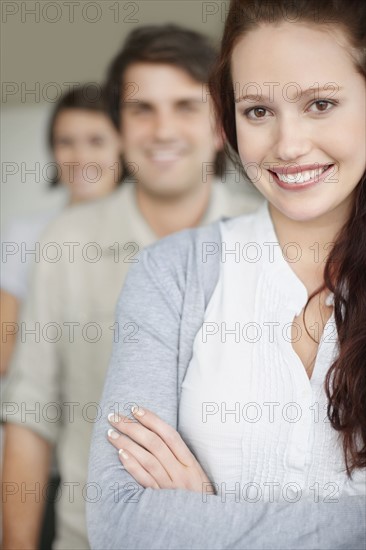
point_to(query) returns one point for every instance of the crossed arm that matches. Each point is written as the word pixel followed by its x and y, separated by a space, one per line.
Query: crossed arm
pixel 127 511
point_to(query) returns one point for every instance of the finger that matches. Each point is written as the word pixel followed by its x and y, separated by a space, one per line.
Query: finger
pixel 167 433
pixel 134 468
pixel 149 440
pixel 147 461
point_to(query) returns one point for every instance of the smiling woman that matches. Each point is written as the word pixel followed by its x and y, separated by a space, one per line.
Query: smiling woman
pixel 274 416
pixel 295 134
pixel 310 142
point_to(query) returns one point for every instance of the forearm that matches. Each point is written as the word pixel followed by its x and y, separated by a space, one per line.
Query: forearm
pixel 126 516
pixel 25 475
pixel 170 520
pixel 9 310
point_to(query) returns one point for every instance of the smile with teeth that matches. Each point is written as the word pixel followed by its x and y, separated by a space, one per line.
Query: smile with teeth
pixel 302 177
pixel 165 156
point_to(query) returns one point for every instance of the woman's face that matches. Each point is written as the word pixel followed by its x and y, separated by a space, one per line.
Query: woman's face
pixel 290 127
pixel 87 151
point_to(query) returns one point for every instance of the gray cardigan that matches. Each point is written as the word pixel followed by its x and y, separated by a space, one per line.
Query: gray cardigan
pixel 159 314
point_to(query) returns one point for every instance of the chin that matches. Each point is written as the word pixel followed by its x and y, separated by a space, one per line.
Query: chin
pixel 304 213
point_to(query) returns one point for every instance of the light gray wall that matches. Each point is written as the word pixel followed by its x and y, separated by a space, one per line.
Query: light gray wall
pixel 73 48
pixel 46 45
pixel 25 162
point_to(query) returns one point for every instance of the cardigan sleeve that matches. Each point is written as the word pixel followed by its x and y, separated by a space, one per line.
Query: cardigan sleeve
pixel 121 514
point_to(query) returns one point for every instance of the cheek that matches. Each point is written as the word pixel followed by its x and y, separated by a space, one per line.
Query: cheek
pixel 347 140
pixel 192 131
pixel 61 157
pixel 355 149
pixel 348 144
pixel 134 131
pixel 107 158
pixel 251 145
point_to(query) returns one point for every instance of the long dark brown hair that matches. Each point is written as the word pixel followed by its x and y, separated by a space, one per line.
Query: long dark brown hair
pixel 345 269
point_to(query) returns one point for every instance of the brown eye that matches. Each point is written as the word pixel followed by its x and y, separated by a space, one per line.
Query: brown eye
pixel 322 105
pixel 259 112
pixel 97 141
pixel 63 142
pixel 256 113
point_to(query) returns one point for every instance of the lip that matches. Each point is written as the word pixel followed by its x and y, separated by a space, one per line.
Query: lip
pixel 305 185
pixel 286 170
pixel 167 158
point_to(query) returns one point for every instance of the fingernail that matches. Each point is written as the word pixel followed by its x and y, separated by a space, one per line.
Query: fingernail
pixel 113 417
pixel 137 411
pixel 123 454
pixel 113 434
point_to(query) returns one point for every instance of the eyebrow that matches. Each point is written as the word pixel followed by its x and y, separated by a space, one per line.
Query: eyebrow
pixel 308 91
pixel 197 100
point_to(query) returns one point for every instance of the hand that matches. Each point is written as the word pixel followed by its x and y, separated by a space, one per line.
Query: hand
pixel 155 454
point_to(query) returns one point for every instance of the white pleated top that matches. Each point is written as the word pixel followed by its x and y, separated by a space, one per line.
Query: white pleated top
pixel 248 411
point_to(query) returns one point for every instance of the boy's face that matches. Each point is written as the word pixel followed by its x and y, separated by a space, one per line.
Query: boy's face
pixel 167 129
pixel 86 147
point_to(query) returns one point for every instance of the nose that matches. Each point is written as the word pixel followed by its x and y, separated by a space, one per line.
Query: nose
pixel 292 139
pixel 81 154
pixel 165 126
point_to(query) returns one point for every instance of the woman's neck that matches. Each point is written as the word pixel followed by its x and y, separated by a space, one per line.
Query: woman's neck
pixel 314 240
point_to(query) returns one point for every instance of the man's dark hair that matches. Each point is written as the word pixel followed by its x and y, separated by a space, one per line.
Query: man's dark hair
pixel 170 44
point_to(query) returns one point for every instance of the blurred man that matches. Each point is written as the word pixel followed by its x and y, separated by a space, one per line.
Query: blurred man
pixel 170 146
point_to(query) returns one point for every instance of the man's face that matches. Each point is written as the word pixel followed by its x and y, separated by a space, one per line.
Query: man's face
pixel 167 129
